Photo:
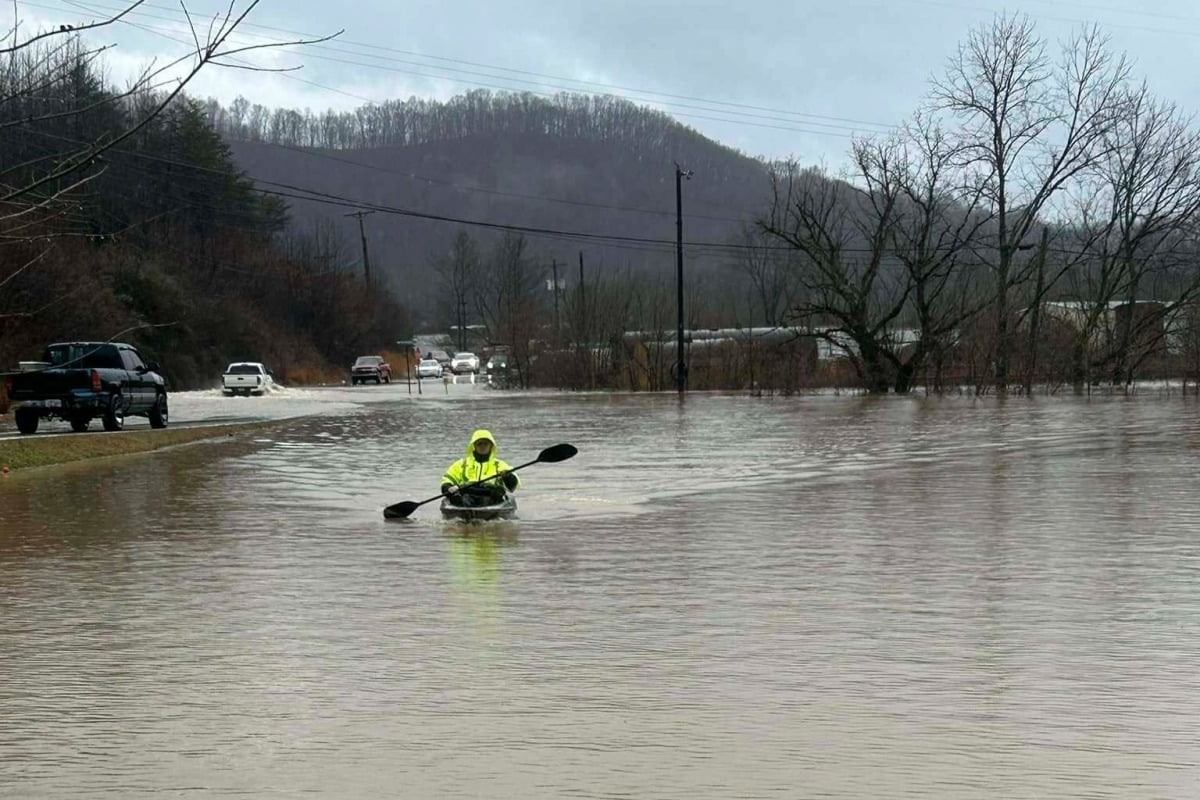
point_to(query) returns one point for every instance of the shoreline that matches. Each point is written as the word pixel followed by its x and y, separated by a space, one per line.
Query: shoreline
pixel 37 452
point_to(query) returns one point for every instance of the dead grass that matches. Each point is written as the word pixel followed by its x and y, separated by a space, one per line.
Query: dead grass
pixel 43 451
pixel 314 375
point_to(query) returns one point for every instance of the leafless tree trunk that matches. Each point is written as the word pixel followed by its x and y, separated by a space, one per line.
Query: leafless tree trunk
pixel 934 239
pixel 1029 126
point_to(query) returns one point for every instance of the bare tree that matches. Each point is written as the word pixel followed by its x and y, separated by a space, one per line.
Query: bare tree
pixel 771 274
pixel 506 300
pixel 651 314
pixel 35 190
pixel 1137 217
pixel 939 228
pixel 851 288
pixel 1029 125
pixel 458 272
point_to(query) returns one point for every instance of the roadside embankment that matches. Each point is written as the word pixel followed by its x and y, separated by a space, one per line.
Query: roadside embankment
pixel 44 451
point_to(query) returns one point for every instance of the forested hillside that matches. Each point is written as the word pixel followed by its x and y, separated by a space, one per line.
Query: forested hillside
pixel 596 166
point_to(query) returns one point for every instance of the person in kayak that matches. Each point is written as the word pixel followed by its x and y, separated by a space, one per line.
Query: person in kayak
pixel 479 464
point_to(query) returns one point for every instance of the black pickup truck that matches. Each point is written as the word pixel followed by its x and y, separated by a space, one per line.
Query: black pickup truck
pixel 77 381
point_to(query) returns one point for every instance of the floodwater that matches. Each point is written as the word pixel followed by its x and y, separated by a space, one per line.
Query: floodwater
pixel 836 597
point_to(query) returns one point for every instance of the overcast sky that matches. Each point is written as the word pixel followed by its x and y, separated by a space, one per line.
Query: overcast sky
pixel 769 77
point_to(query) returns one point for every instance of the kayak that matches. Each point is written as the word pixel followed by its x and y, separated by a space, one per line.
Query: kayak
pixel 502 510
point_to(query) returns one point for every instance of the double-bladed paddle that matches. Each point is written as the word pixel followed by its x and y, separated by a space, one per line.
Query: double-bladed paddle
pixel 551 455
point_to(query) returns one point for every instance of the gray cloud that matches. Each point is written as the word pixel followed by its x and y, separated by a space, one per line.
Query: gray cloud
pixel 810 61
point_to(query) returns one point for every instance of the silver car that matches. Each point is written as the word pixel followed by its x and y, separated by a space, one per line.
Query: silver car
pixel 429 368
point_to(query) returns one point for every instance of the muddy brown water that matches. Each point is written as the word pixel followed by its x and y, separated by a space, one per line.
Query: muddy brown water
pixel 807 597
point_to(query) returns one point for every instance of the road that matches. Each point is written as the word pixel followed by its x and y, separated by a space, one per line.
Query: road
pixel 210 406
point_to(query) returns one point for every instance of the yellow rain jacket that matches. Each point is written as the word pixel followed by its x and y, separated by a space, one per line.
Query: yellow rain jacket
pixel 469 469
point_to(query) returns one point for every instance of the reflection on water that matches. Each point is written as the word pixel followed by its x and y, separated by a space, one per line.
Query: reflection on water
pixel 475 551
pixel 840 597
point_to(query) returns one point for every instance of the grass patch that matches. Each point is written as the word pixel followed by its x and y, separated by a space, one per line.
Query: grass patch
pixel 45 451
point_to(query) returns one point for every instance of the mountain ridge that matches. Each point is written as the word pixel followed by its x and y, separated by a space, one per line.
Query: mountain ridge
pixel 570 184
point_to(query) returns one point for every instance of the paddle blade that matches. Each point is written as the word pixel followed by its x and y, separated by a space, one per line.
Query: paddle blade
pixel 555 453
pixel 400 510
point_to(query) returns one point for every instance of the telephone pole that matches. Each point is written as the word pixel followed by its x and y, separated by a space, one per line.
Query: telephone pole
pixel 585 335
pixel 680 363
pixel 362 233
pixel 554 266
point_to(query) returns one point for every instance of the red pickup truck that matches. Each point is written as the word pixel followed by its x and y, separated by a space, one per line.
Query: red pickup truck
pixel 370 368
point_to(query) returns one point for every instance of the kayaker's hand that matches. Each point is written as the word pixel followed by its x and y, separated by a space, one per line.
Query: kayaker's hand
pixel 449 490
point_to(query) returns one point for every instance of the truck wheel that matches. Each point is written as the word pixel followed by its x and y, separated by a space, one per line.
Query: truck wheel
pixel 79 423
pixel 27 420
pixel 158 414
pixel 114 415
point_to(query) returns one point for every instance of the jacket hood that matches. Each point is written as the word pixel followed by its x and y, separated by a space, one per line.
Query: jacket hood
pixel 482 433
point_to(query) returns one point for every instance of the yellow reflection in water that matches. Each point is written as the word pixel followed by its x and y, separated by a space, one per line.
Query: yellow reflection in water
pixel 475 554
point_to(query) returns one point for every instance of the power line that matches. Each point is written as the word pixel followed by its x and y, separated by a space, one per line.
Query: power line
pixel 740 109
pixel 1075 20
pixel 179 16
pixel 294 192
pixel 316 154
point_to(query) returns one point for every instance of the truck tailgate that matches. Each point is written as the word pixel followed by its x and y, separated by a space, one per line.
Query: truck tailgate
pixel 49 382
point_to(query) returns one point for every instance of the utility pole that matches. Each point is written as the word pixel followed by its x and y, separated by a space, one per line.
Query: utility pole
pixel 680 363
pixel 363 235
pixel 554 267
pixel 582 301
pixel 585 337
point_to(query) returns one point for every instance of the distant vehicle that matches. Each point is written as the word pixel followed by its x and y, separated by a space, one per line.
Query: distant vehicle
pixel 83 380
pixel 429 368
pixel 498 375
pixel 246 377
pixel 370 368
pixel 441 356
pixel 462 363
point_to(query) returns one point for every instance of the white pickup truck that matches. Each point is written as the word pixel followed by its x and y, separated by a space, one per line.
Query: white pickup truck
pixel 246 377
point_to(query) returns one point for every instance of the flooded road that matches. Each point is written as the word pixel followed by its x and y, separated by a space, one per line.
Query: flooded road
pixel 838 597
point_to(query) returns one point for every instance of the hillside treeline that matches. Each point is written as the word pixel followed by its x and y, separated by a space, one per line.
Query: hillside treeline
pixel 124 218
pixel 644 133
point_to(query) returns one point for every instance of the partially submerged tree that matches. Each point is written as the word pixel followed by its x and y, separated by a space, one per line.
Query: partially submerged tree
pixel 1028 126
pixel 852 292
pixel 1145 250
